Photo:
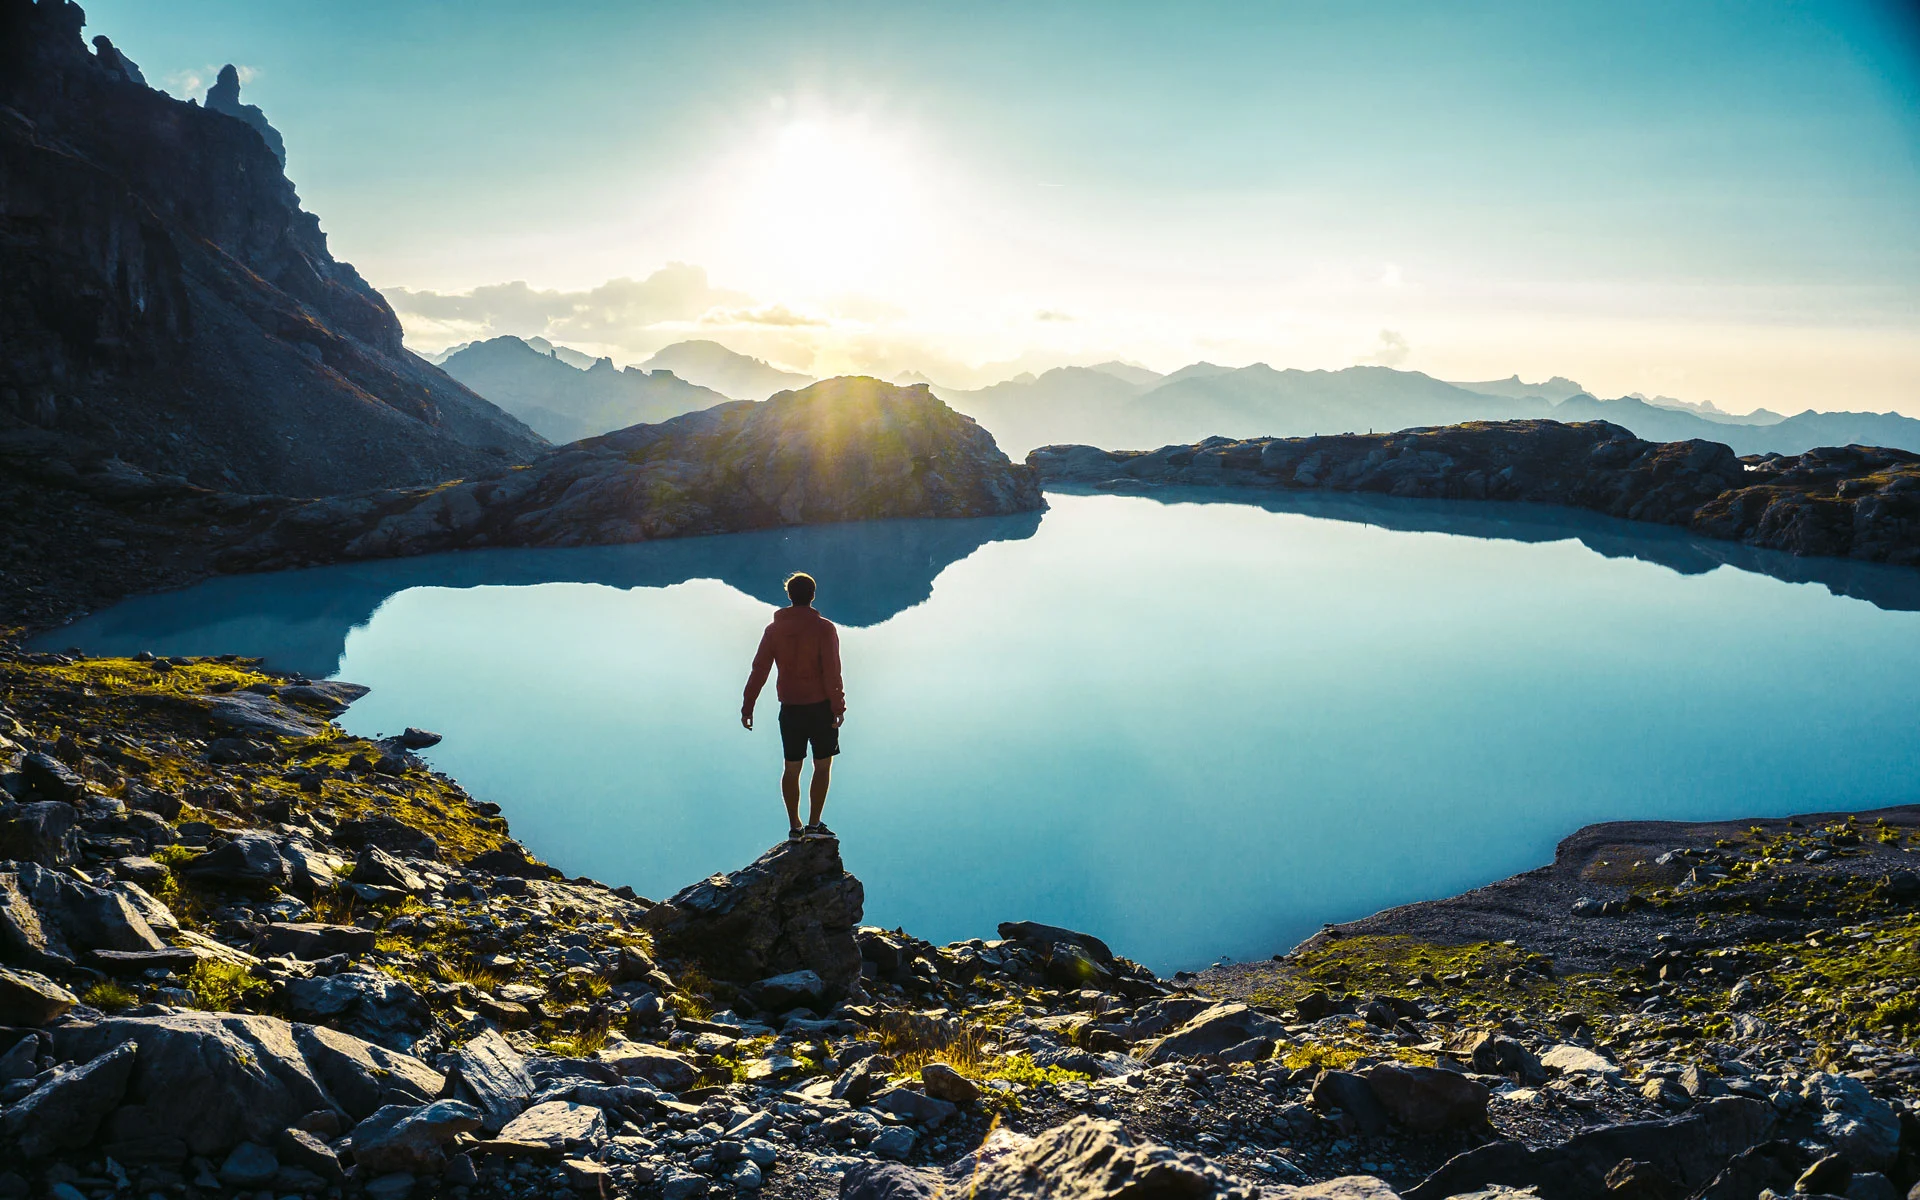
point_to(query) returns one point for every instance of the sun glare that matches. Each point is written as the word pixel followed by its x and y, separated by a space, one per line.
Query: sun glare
pixel 828 203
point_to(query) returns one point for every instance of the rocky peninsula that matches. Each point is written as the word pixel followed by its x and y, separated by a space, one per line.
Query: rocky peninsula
pixel 1856 502
pixel 86 532
pixel 245 953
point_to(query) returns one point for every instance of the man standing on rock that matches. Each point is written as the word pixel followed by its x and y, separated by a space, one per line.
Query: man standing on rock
pixel 812 700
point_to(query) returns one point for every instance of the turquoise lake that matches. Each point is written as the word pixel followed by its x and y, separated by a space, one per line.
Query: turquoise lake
pixel 1196 728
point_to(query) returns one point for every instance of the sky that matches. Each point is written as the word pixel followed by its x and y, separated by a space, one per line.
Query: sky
pixel 1718 201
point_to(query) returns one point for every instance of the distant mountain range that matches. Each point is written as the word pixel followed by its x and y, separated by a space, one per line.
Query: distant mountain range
pixel 538 382
pixel 1132 408
pixel 712 365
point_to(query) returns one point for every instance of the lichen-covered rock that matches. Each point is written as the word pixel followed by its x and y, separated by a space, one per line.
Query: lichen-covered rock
pixel 794 908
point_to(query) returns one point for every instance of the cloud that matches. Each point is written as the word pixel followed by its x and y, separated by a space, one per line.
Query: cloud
pixel 1049 314
pixel 193 82
pixel 624 314
pixel 1392 350
pixel 777 314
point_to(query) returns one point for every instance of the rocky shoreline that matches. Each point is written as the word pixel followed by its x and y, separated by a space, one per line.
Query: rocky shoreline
pixel 85 532
pixel 1856 502
pixel 248 954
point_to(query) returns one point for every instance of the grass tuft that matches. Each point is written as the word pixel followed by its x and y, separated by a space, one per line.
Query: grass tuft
pixel 108 996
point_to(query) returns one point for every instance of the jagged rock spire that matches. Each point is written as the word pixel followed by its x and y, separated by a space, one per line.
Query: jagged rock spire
pixel 224 97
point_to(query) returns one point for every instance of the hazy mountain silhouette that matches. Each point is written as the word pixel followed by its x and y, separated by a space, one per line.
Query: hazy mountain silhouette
pixel 564 403
pixel 736 376
pixel 1094 406
pixel 1512 388
pixel 1084 404
pixel 1889 587
pixel 299 620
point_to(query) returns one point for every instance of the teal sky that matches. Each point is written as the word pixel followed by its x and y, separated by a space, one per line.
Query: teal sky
pixel 1714 201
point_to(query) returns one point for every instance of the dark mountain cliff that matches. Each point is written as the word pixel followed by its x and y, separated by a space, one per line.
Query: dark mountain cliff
pixel 165 300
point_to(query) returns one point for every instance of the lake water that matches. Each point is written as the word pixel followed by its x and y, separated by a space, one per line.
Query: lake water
pixel 1197 729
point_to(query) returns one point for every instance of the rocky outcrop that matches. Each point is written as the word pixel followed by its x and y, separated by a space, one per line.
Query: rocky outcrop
pixel 1092 1159
pixel 1690 1151
pixel 224 97
pixel 794 908
pixel 1849 501
pixel 50 919
pixel 165 301
pixel 843 450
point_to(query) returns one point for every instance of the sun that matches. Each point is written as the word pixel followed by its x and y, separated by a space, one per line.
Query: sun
pixel 829 202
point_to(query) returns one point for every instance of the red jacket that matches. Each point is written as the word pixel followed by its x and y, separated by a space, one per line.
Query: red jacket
pixel 807 647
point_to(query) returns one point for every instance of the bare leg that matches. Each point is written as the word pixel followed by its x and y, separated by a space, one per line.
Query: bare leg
pixel 822 776
pixel 790 792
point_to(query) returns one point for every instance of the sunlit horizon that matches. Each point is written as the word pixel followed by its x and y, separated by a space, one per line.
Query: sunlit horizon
pixel 1719 205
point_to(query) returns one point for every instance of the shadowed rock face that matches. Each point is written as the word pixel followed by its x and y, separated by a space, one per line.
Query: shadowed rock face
pixel 1849 501
pixel 843 450
pixel 164 299
pixel 794 908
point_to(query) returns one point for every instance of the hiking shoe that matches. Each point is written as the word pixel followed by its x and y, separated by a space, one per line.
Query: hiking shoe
pixel 796 833
pixel 818 830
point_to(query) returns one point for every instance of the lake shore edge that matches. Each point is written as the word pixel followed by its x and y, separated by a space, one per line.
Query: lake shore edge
pixel 1653 976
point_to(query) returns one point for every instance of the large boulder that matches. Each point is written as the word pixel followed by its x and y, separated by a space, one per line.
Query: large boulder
pixel 1861 1126
pixel 389 834
pixel 49 918
pixel 251 860
pixel 1213 1030
pixel 30 998
pixel 363 1076
pixel 313 940
pixel 367 1004
pixel 1690 1150
pixel 1427 1099
pixel 492 1076
pixel 657 1065
pixel 411 1139
pixel 43 832
pixel 375 866
pixel 559 1125
pixel 205 1082
pixel 1090 1159
pixel 65 1112
pixel 794 908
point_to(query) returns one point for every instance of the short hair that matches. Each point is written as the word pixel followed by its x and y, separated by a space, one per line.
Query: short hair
pixel 800 587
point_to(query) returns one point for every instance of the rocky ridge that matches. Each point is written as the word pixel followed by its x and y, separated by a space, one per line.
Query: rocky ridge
pixel 87 530
pixel 241 950
pixel 168 302
pixel 1848 501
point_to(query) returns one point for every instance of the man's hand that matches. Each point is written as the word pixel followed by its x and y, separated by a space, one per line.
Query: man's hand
pixel 746 719
pixel 837 718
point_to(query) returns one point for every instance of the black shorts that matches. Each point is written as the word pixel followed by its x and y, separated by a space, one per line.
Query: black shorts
pixel 801 724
